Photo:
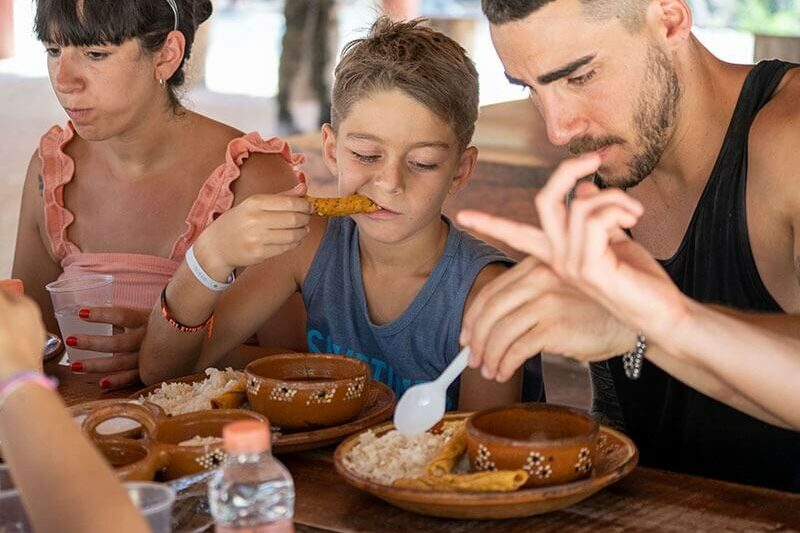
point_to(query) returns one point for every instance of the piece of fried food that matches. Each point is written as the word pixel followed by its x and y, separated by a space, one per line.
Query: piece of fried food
pixel 494 481
pixel 449 454
pixel 233 399
pixel 341 207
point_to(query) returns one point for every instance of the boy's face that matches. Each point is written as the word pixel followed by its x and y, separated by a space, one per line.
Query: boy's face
pixel 597 84
pixel 394 150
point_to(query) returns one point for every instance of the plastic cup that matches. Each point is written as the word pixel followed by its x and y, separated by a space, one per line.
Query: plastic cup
pixel 69 297
pixel 154 501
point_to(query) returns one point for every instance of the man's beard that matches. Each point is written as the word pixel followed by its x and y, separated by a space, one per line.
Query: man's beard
pixel 653 121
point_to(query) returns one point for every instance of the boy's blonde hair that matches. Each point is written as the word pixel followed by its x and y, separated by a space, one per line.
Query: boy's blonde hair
pixel 423 63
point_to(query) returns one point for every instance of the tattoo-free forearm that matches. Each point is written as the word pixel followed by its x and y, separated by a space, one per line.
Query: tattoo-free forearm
pixel 757 365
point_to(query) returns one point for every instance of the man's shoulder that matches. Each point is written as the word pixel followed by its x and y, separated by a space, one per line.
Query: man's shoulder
pixel 772 151
pixel 776 129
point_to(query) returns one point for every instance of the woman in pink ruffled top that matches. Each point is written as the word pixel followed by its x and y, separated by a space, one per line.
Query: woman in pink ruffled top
pixel 134 177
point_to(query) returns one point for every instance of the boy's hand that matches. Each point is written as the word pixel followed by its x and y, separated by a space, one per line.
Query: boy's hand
pixel 262 226
pixel 21 334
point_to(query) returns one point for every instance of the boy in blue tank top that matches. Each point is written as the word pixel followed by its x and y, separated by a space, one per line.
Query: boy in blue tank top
pixel 387 287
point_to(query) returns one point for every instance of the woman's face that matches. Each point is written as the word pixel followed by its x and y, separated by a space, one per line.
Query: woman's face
pixel 104 89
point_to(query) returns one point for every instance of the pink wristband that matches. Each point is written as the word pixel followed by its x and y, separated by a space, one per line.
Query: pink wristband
pixel 9 385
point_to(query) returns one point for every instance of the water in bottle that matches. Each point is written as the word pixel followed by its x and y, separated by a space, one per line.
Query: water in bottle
pixel 252 492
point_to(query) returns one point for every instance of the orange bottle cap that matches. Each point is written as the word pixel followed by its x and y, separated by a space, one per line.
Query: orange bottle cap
pixel 13 286
pixel 246 437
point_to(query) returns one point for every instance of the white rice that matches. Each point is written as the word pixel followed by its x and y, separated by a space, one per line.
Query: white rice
pixel 392 456
pixel 179 398
pixel 201 441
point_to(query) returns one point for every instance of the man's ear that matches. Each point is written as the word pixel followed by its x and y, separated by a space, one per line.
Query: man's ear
pixel 169 58
pixel 674 19
pixel 464 169
pixel 329 149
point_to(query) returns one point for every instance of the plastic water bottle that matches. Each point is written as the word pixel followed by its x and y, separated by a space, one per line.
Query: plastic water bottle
pixel 252 492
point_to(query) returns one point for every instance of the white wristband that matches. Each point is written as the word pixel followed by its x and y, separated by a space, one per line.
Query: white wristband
pixel 202 276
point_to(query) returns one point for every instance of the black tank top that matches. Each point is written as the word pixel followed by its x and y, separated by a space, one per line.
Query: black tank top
pixel 676 427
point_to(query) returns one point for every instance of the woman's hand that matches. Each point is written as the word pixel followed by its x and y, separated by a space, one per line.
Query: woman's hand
pixel 122 368
pixel 21 334
pixel 262 226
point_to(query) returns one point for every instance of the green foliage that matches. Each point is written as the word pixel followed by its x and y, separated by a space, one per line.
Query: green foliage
pixel 769 17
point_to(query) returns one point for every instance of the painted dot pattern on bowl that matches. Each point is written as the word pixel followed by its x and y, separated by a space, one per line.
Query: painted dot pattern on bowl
pixel 253 386
pixel 584 464
pixel 484 459
pixel 282 393
pixel 355 388
pixel 212 459
pixel 320 396
pixel 536 465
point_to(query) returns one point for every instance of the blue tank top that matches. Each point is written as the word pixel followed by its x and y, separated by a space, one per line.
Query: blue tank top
pixel 421 342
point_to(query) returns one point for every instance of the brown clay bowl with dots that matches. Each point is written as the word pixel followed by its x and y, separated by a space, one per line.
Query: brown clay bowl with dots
pixel 303 391
pixel 163 437
pixel 554 444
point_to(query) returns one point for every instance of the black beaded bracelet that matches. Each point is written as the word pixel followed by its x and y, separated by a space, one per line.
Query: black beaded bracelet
pixel 632 361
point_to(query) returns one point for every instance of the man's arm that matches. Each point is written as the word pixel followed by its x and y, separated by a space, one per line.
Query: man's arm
pixel 476 392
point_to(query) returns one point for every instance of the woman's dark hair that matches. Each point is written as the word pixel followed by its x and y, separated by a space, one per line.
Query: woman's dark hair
pixel 95 22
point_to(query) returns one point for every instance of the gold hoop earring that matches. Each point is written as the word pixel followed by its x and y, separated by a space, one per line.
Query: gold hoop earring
pixel 161 81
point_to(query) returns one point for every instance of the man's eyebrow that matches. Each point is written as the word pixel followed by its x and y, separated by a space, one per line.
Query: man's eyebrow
pixel 565 71
pixel 514 81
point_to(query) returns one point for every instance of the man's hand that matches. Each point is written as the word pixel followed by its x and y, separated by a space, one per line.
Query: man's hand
pixel 583 272
pixel 529 310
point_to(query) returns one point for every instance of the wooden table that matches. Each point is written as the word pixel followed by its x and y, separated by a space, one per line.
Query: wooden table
pixel 516 164
pixel 647 500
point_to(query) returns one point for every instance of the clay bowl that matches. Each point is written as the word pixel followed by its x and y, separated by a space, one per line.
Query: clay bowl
pixel 186 460
pixel 132 460
pixel 163 436
pixel 302 391
pixel 554 444
pixel 118 427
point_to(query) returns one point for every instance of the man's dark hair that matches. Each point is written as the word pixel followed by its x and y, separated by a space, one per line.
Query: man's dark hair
pixel 631 13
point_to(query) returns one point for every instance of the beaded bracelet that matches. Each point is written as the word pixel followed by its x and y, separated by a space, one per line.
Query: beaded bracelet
pixel 632 361
pixel 15 381
pixel 209 323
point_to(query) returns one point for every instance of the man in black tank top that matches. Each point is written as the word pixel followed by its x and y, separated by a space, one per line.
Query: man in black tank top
pixel 710 150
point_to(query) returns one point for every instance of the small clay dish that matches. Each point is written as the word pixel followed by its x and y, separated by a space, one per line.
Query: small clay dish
pixel 304 391
pixel 554 444
pixel 132 460
pixel 162 439
pixel 117 427
pixel 184 459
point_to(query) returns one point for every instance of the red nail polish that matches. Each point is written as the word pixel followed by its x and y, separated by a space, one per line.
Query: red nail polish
pixel 104 383
pixel 83 313
pixel 76 367
pixel 72 341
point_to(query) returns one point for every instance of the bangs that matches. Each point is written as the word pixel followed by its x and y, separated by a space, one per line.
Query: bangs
pixel 89 22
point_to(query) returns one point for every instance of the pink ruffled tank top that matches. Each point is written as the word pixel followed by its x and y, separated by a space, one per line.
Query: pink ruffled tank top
pixel 139 279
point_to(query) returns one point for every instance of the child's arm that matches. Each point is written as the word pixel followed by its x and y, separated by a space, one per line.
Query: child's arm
pixel 238 311
pixel 32 261
pixel 477 393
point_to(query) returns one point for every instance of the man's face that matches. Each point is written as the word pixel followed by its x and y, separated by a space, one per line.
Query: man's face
pixel 598 86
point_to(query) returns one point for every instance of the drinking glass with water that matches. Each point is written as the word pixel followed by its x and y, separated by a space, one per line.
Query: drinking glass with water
pixel 69 296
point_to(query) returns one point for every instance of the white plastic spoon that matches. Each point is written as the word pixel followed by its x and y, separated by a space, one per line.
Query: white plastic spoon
pixel 423 405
